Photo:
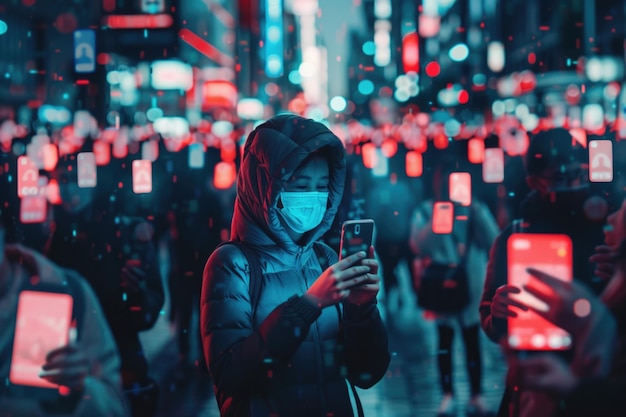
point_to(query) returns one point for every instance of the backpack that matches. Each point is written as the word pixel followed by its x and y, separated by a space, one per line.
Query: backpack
pixel 444 288
pixel 256 285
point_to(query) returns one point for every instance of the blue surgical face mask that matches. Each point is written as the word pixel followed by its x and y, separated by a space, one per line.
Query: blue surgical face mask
pixel 303 211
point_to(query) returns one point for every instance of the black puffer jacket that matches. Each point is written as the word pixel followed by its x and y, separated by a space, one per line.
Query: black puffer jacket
pixel 290 359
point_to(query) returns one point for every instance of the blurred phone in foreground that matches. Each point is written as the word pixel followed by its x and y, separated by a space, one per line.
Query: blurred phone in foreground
pixel 356 235
pixel 42 324
pixel 549 253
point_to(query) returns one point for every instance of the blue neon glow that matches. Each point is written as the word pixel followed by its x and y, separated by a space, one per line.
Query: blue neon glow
pixel 274 65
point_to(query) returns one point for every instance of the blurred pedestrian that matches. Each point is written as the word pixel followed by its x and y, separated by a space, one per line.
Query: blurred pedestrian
pixel 88 366
pixel 466 246
pixel 556 172
pixel 117 256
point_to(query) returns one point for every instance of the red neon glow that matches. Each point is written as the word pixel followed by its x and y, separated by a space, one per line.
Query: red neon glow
pixel 108 5
pixel 228 151
pixel 475 151
pixel 414 164
pixel 140 21
pixel 433 69
pixel 218 93
pixel 370 158
pixel 205 48
pixel 50 156
pixel 410 52
pixel 463 97
pixel 440 140
pixel 102 151
pixel 224 175
pixel 461 188
pixel 389 147
pixel 53 193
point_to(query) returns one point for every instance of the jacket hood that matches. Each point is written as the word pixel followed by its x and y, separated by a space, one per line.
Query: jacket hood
pixel 272 153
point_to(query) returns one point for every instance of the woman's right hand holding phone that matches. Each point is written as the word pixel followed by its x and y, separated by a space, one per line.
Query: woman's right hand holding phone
pixel 334 284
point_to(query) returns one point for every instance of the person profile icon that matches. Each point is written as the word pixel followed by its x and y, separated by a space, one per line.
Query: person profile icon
pixel 84 59
pixel 84 54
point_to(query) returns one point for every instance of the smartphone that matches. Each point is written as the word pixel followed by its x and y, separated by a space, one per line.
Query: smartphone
pixel 549 253
pixel 142 176
pixel 461 188
pixel 600 161
pixel 443 217
pixel 493 165
pixel 356 235
pixel 43 323
pixel 86 167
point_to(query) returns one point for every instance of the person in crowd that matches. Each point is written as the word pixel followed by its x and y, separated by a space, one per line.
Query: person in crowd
pixel 390 200
pixel 88 366
pixel 116 255
pixel 470 239
pixel 594 382
pixel 559 202
pixel 199 222
pixel 316 323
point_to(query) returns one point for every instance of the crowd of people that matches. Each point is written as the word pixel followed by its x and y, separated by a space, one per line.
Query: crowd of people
pixel 288 328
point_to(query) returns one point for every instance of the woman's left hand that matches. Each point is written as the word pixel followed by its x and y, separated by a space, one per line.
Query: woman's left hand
pixel 366 291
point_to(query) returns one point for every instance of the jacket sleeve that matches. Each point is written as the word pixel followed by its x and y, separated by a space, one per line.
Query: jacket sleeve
pixel 366 344
pixel 237 354
pixel 495 328
pixel 103 394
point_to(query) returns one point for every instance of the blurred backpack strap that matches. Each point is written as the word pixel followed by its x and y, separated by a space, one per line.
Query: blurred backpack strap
pixel 256 275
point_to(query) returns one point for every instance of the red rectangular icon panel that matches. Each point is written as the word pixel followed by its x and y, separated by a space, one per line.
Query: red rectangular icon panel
pixel 142 176
pixel 27 177
pixel 600 161
pixel 549 253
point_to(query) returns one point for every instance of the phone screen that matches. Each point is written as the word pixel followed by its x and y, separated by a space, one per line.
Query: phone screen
pixel 356 235
pixel 86 167
pixel 443 217
pixel 42 325
pixel 549 253
pixel 600 161
pixel 493 165
pixel 461 188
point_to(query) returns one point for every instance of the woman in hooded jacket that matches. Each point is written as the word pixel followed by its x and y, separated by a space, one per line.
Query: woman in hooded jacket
pixel 315 331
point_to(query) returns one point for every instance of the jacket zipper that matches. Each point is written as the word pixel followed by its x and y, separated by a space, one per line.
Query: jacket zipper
pixel 316 342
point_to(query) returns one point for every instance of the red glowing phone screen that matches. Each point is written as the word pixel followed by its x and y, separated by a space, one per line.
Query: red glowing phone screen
pixel 443 217
pixel 42 325
pixel 549 253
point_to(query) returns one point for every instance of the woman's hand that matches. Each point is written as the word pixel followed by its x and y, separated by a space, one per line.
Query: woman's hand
pixel 335 283
pixel 368 289
pixel 502 301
